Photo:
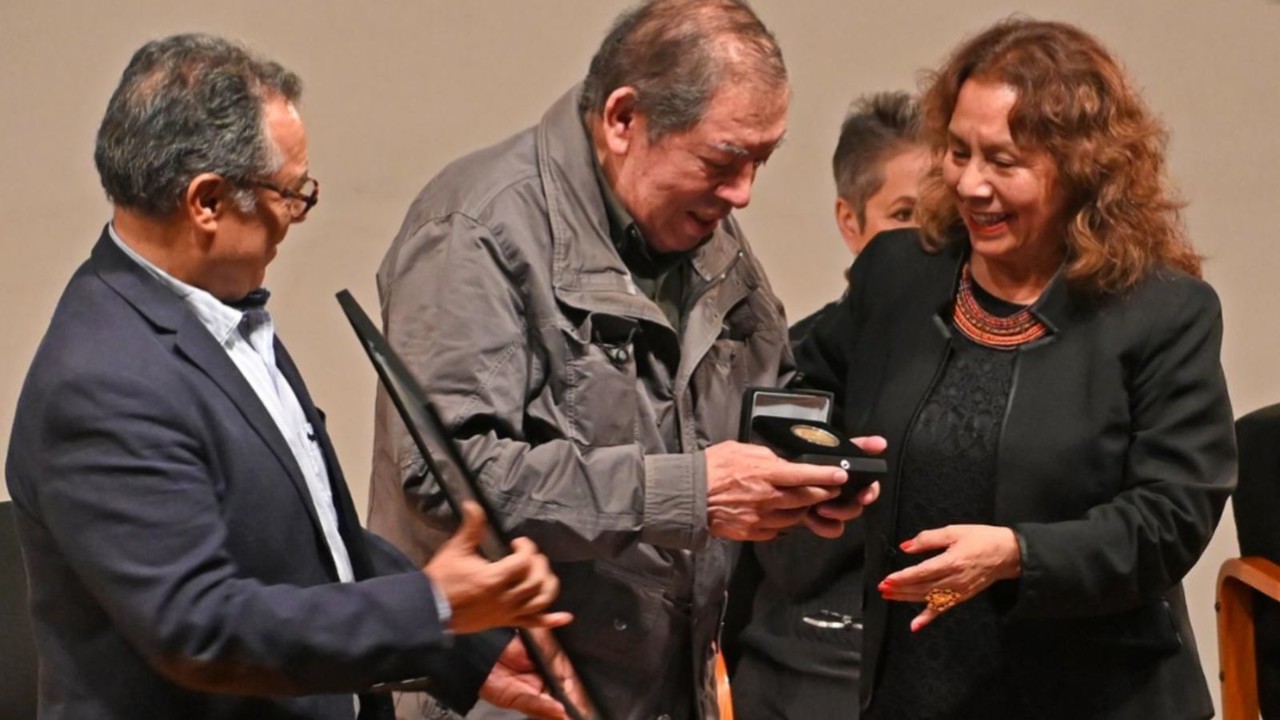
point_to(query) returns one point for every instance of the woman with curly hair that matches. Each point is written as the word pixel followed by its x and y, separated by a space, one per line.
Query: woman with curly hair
pixel 1044 359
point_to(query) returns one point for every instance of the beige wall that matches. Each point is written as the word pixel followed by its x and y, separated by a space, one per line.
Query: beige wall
pixel 398 88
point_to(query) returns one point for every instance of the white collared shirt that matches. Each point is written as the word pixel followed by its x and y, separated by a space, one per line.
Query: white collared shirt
pixel 248 339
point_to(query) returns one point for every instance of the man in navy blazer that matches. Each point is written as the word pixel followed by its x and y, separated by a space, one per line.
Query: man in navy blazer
pixel 192 548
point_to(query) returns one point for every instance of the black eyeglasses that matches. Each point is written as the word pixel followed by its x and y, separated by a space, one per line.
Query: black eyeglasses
pixel 298 201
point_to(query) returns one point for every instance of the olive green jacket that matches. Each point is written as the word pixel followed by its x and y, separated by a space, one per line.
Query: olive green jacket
pixel 582 411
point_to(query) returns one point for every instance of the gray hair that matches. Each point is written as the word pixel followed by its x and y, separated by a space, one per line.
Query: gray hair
pixel 876 127
pixel 677 54
pixel 186 105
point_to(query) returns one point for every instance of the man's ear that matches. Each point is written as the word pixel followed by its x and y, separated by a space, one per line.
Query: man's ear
pixel 850 229
pixel 620 122
pixel 206 200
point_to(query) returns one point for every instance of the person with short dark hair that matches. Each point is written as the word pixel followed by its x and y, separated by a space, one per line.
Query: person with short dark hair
pixel 878 165
pixel 583 309
pixel 794 626
pixel 191 546
pixel 1044 359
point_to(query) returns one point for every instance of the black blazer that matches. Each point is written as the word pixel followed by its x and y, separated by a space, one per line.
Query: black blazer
pixel 1115 459
pixel 176 566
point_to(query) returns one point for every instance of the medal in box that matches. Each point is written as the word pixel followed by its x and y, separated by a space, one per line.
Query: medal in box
pixel 795 424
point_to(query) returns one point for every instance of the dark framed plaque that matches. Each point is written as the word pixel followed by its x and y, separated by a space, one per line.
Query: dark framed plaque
pixel 445 462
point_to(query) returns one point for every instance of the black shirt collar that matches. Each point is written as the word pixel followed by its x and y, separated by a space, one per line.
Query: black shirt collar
pixel 626 236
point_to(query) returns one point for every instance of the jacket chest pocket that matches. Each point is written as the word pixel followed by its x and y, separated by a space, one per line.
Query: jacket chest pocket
pixel 721 377
pixel 600 396
pixel 746 352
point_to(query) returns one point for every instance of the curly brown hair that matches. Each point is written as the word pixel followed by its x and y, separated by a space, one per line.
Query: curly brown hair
pixel 1075 103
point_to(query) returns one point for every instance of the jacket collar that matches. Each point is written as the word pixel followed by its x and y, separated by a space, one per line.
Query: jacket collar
pixel 163 308
pixel 1055 307
pixel 172 320
pixel 587 271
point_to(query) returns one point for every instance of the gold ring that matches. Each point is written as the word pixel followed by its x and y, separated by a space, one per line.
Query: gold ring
pixel 941 599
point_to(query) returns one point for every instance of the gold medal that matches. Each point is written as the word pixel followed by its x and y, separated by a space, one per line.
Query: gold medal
pixel 815 435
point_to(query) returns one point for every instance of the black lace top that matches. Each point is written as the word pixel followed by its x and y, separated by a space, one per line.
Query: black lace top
pixel 952 667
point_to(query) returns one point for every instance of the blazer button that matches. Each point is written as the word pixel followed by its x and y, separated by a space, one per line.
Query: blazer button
pixel 619 624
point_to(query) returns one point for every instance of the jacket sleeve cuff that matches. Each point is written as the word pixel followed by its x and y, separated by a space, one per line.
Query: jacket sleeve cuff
pixel 462 674
pixel 444 611
pixel 1034 595
pixel 675 501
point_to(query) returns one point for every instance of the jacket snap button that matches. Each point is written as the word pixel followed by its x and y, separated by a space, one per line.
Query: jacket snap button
pixel 619 355
pixel 619 624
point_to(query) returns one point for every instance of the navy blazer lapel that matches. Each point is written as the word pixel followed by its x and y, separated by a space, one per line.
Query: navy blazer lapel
pixel 348 519
pixel 175 322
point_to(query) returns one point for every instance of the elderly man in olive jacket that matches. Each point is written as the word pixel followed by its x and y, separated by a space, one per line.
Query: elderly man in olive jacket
pixel 585 313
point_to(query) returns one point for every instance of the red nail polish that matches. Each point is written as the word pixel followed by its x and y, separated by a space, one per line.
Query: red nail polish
pixel 906 545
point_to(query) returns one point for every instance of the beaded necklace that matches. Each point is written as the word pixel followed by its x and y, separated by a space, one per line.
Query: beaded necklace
pixel 993 331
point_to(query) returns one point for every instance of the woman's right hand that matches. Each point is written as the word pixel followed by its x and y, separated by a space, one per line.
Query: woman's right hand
pixel 972 558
